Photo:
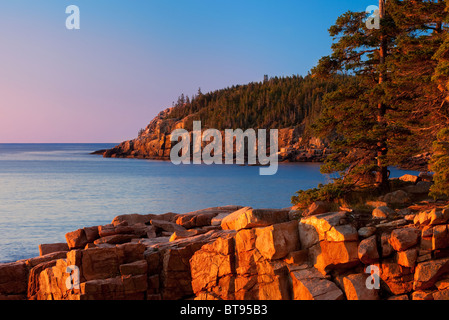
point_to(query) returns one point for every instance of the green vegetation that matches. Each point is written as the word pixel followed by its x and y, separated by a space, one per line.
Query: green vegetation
pixel 440 164
pixel 382 96
pixel 384 115
pixel 395 102
pixel 276 103
pixel 329 193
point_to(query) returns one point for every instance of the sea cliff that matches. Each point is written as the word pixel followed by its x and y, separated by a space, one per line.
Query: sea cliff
pixel 244 253
pixel 295 144
pixel 154 142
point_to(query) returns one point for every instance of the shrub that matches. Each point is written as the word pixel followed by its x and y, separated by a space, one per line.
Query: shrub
pixel 330 192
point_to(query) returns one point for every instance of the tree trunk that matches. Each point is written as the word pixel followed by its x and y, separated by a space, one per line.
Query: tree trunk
pixel 382 178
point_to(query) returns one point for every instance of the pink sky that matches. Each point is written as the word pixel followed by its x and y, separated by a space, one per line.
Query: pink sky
pixel 131 59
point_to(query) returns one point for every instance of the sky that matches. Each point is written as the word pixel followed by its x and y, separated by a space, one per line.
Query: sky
pixel 131 59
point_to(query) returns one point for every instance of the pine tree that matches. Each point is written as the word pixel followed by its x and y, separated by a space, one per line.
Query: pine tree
pixel 440 165
pixel 382 117
pixel 357 112
pixel 411 92
pixel 440 157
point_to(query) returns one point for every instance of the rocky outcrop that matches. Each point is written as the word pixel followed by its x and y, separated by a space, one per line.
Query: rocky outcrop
pixel 155 142
pixel 243 253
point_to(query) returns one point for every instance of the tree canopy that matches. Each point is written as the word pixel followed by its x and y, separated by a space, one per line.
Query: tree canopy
pixel 280 102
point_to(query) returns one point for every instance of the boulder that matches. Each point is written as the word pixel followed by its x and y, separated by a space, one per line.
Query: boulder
pixel 409 178
pixel 318 207
pixel 204 217
pixel 315 228
pixel 387 249
pixel 396 279
pixel 103 263
pixel 277 241
pixel 138 229
pixel 33 279
pixel 342 233
pixel 216 221
pixel 422 296
pixel 117 288
pixel 407 258
pixel 440 237
pixel 212 267
pixel 115 239
pixel 441 295
pixel 310 285
pixel 91 233
pixel 247 217
pixel 367 251
pixel 383 213
pixel 297 257
pixel 134 268
pixel 398 197
pixel 167 226
pixel 245 248
pixel 308 235
pixel 438 216
pixel 355 288
pixel 366 232
pixel 186 234
pixel 272 280
pixel 423 218
pixel 45 249
pixel 32 262
pixel 99 263
pixel 427 273
pixel 151 232
pixel 442 284
pixel 52 283
pixel 13 278
pixel 422 187
pixel 175 268
pixel 326 256
pixel 132 219
pixel 403 239
pixel 76 239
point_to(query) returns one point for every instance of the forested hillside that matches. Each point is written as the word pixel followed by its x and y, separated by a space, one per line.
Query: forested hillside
pixel 275 103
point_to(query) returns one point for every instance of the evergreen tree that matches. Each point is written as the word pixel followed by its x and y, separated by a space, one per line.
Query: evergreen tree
pixel 279 103
pixel 440 157
pixel 379 118
pixel 440 165
pixel 356 113
pixel 411 92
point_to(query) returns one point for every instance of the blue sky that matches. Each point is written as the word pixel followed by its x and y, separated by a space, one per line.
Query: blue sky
pixel 131 59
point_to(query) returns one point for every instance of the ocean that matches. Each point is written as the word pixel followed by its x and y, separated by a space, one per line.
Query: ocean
pixel 47 190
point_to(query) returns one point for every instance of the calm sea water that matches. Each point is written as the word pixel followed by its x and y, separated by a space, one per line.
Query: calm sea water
pixel 47 190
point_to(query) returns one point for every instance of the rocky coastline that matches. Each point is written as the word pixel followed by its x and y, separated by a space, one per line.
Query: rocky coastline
pixel 295 145
pixel 243 253
pixel 154 142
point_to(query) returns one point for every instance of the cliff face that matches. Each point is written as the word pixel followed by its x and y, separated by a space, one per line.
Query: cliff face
pixel 244 253
pixel 155 142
